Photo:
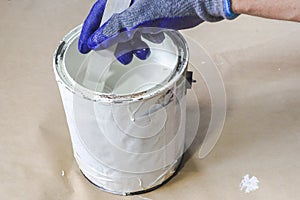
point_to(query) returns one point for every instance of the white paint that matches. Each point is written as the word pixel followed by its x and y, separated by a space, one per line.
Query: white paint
pixel 140 198
pixel 249 184
pixel 119 79
pixel 62 173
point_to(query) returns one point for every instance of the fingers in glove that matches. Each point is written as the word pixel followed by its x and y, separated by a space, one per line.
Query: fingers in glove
pixel 139 48
pixel 124 53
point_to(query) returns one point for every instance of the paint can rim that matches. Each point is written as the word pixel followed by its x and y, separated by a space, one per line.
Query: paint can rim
pixel 64 78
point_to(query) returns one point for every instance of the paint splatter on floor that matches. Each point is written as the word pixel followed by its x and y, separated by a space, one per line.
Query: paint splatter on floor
pixel 249 184
pixel 139 198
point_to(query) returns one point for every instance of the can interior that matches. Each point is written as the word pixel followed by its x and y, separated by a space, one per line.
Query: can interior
pixel 86 71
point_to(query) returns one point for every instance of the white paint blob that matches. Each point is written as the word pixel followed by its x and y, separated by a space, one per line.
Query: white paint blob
pixel 144 198
pixel 249 184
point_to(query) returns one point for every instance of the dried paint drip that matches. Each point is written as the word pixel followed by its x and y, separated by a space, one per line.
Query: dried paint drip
pixel 249 184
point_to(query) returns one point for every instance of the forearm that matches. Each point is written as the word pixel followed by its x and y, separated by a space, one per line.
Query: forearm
pixel 274 9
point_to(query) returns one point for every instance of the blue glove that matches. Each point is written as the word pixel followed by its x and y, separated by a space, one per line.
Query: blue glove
pixel 167 14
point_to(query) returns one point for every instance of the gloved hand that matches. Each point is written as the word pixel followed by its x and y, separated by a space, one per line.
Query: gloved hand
pixel 168 14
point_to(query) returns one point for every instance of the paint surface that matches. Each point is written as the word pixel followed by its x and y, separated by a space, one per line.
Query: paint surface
pixel 120 79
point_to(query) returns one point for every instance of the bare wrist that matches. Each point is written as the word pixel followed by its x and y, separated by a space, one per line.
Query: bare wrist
pixel 236 7
pixel 283 10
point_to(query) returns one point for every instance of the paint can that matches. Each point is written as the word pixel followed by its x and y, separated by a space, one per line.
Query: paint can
pixel 127 129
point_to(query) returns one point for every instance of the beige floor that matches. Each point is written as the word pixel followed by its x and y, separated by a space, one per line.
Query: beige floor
pixel 259 60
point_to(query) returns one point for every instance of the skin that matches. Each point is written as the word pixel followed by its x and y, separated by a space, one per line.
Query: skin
pixel 273 9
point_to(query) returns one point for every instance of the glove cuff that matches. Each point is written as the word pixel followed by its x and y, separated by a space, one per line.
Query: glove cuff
pixel 213 10
pixel 229 14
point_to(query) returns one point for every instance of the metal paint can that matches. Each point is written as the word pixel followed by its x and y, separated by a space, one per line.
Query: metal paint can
pixel 132 140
